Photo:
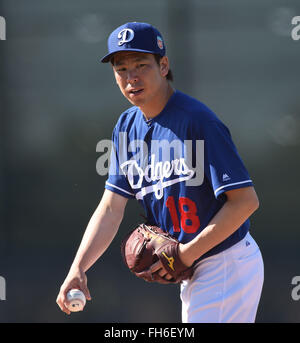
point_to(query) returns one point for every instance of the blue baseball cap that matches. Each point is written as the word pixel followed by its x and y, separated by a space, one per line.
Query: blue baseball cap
pixel 134 36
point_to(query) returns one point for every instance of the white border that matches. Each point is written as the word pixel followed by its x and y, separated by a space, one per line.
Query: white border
pixel 231 184
pixel 120 189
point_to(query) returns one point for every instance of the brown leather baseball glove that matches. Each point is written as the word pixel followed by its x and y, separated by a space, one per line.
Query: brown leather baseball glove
pixel 147 244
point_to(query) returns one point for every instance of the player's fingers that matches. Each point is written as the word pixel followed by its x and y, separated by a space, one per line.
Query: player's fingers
pixel 82 285
pixel 61 303
pixel 86 292
pixel 62 297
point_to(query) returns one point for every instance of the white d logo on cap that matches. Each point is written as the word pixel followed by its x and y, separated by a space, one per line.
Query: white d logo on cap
pixel 125 36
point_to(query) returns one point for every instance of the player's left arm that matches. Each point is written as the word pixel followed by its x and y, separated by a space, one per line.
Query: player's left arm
pixel 240 205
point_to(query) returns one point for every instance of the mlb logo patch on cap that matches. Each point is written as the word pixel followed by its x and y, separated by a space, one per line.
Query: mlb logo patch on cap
pixel 160 42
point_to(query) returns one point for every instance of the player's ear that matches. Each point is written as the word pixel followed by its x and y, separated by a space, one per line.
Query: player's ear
pixel 164 66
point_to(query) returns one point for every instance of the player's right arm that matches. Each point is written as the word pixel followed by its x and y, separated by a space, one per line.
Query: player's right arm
pixel 98 235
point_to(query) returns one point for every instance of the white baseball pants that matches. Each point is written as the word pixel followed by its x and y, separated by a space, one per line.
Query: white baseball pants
pixel 225 287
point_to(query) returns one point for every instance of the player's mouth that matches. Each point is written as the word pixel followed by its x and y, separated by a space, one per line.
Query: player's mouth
pixel 135 92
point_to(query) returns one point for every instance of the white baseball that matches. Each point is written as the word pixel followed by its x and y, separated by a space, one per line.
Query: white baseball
pixel 75 300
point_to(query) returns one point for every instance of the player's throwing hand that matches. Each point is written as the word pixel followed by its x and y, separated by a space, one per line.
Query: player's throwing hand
pixel 75 279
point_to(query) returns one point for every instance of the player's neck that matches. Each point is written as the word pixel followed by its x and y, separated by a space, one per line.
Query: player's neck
pixel 154 108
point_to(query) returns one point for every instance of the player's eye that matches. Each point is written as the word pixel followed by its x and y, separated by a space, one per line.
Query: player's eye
pixel 119 70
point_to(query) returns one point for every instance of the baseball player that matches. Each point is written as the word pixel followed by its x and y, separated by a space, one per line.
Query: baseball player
pixel 173 155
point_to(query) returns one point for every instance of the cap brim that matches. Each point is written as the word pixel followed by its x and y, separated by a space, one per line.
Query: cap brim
pixel 108 57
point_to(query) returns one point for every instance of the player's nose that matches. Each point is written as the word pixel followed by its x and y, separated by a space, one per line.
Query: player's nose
pixel 132 76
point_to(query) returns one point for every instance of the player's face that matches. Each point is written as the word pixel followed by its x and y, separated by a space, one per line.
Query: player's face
pixel 139 77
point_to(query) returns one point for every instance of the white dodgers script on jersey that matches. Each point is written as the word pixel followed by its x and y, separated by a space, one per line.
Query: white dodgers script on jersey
pixel 159 171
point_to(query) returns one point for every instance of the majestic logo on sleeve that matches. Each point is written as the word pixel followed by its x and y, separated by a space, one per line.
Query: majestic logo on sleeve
pixel 225 177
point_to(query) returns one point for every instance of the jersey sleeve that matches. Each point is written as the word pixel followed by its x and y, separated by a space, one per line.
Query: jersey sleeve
pixel 223 165
pixel 117 181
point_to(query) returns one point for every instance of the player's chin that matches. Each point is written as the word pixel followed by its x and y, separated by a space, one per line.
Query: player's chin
pixel 136 99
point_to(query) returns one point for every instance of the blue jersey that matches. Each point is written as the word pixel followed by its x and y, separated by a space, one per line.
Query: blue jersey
pixel 178 165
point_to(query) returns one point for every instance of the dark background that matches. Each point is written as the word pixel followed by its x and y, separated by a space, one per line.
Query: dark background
pixel 57 101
